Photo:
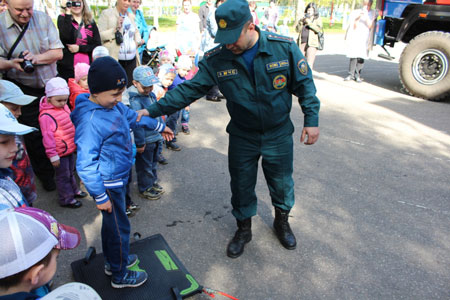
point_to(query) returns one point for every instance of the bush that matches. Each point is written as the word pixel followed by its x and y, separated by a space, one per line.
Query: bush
pixel 97 9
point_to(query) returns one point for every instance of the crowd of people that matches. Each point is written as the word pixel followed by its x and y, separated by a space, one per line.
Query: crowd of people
pixel 74 99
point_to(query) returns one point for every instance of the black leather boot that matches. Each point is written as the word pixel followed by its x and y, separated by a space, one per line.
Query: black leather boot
pixel 283 230
pixel 242 236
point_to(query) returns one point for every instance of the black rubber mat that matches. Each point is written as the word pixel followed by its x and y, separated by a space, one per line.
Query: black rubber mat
pixel 168 279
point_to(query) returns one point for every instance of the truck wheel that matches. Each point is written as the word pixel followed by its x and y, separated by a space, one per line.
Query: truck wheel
pixel 425 66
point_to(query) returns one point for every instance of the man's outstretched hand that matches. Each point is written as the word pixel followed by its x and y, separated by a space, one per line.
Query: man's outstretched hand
pixel 167 134
pixel 141 112
pixel 310 135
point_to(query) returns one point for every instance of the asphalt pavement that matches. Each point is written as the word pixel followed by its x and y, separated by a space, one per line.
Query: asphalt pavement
pixel 372 213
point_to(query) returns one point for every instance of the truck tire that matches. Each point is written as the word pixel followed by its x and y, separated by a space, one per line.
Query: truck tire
pixel 425 66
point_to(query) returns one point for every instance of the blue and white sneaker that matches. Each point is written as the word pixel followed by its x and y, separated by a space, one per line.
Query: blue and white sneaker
pixel 130 279
pixel 132 260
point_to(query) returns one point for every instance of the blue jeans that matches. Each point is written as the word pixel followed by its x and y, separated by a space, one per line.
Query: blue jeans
pixel 116 232
pixel 146 166
pixel 172 121
pixel 184 116
pixel 128 192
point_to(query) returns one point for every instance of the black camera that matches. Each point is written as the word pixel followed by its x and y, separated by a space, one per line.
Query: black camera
pixel 307 16
pixel 73 4
pixel 119 37
pixel 26 65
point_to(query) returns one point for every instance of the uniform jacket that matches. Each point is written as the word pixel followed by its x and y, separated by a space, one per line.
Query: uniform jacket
pixel 57 129
pixel 137 101
pixel 314 28
pixel 102 136
pixel 256 105
pixel 75 90
pixel 107 23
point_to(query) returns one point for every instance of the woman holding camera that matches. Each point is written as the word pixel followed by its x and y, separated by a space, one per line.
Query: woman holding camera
pixel 308 30
pixel 121 36
pixel 79 34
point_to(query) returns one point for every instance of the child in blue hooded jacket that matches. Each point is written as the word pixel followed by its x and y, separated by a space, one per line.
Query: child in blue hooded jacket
pixel 104 159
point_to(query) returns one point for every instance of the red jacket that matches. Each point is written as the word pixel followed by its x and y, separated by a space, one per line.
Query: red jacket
pixel 75 90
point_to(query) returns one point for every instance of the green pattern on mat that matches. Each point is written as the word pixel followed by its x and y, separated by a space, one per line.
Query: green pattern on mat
pixel 193 287
pixel 136 267
pixel 166 260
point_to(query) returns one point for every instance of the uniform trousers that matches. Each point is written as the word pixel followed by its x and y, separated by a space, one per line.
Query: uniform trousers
pixel 277 164
pixel 116 232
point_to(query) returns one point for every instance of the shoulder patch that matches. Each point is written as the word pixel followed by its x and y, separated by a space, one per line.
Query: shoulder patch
pixel 213 51
pixel 279 38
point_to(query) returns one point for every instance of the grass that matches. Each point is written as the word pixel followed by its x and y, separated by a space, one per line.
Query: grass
pixel 168 23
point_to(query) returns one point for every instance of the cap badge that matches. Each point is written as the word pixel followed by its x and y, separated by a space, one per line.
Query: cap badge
pixel 222 23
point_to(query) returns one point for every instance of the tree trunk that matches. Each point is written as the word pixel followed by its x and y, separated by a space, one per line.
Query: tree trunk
pixel 299 10
pixel 156 13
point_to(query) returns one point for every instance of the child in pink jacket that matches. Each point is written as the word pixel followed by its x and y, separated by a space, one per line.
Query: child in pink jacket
pixel 58 138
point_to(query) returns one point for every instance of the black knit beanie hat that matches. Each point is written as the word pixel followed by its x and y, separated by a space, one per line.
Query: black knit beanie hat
pixel 106 74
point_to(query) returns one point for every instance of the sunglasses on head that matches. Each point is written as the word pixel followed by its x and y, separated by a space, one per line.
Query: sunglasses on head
pixel 73 4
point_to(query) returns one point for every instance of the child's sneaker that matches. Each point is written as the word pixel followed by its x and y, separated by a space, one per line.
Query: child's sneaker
pixel 129 212
pixel 132 260
pixel 185 129
pixel 172 146
pixel 130 279
pixel 81 194
pixel 150 194
pixel 162 160
pixel 157 188
pixel 134 206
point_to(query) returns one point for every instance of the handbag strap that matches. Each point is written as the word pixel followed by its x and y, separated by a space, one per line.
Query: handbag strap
pixel 17 42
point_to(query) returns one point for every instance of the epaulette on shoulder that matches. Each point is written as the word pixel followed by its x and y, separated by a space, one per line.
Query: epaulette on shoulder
pixel 213 51
pixel 279 38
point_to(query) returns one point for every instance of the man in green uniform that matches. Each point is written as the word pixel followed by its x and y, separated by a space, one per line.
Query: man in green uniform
pixel 257 72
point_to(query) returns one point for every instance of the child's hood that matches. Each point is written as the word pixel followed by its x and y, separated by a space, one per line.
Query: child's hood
pixel 44 105
pixel 83 106
pixel 133 92
pixel 75 88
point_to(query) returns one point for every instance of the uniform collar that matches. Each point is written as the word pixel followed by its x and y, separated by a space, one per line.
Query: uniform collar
pixel 263 43
pixel 262 48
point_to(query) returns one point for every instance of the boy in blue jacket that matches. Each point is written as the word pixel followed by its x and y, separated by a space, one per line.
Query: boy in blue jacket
pixel 147 141
pixel 102 135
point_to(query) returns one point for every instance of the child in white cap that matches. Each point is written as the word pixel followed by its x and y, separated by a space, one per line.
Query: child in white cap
pixel 58 135
pixel 12 97
pixel 10 194
pixel 31 241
